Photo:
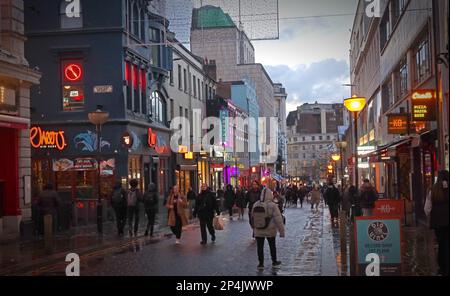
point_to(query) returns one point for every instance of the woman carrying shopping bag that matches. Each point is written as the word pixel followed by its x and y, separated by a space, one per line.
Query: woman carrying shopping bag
pixel 176 203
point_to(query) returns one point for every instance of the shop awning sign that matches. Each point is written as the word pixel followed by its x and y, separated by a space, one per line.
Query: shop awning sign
pixel 424 105
pixel 42 139
pixel 397 124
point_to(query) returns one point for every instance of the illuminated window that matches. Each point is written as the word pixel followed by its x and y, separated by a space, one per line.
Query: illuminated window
pixel 72 89
pixel 70 19
pixel 158 107
pixel 8 100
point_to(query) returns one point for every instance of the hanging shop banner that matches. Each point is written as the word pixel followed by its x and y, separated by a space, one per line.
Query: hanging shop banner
pixel 424 105
pixel 390 208
pixel 79 164
pixel 397 124
pixel 380 236
pixel 41 139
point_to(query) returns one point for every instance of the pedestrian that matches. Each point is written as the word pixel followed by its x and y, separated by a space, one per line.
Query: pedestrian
pixel 315 198
pixel 368 197
pixel 347 197
pixel 176 203
pixel 151 199
pixel 134 198
pixel 437 209
pixel 241 202
pixel 48 204
pixel 333 198
pixel 301 196
pixel 252 196
pixel 119 204
pixel 205 208
pixel 267 221
pixel 294 199
pixel 230 200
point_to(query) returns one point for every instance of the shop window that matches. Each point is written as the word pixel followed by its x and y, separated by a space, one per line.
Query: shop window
pixel 73 97
pixel 74 19
pixel 134 169
pixel 8 100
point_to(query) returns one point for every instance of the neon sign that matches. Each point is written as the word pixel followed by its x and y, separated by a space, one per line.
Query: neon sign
pixel 424 105
pixel 73 72
pixel 151 138
pixel 47 139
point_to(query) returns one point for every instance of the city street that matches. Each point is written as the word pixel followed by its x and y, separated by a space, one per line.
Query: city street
pixel 303 252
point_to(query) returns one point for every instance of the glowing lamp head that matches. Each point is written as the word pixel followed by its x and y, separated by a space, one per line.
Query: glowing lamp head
pixel 355 104
pixel 330 167
pixel 336 157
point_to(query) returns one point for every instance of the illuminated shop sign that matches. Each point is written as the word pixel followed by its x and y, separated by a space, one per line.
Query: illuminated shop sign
pixel 47 139
pixel 127 140
pixel 424 105
pixel 73 71
pixel 151 138
pixel 397 124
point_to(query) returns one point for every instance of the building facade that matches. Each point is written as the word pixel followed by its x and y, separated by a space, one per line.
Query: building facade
pixel 92 63
pixel 312 131
pixel 397 61
pixel 280 107
pixel 16 79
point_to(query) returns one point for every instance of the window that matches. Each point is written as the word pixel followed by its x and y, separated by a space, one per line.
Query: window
pixel 402 80
pixel 202 95
pixel 320 138
pixel 129 95
pixel 156 50
pixel 172 109
pixel 135 19
pixel 72 85
pixel 313 156
pixel 186 114
pixel 313 147
pixel 180 81
pixel 386 95
pixel 422 60
pixel 142 24
pixel 194 81
pixel 181 111
pixel 8 100
pixel 185 80
pixel 303 139
pixel 304 155
pixel 143 86
pixel 313 138
pixel 320 146
pixel 295 139
pixel 158 107
pixel 210 93
pixel 171 77
pixel 385 29
pixel 328 138
pixel 136 92
pixel 74 21
pixel 303 148
pixel 199 89
pixel 398 6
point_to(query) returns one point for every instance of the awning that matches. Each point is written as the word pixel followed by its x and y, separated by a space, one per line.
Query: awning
pixel 393 145
pixel 14 122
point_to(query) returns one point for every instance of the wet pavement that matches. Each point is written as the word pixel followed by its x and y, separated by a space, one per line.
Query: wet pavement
pixel 306 250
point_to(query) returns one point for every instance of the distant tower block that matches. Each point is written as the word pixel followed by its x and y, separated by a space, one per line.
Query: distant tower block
pixel 258 18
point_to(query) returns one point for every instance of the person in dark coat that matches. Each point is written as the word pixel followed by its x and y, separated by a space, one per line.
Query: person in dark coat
pixel 368 197
pixel 230 200
pixel 241 202
pixel 253 195
pixel 437 209
pixel 151 199
pixel 119 204
pixel 205 208
pixel 333 198
pixel 134 198
pixel 48 204
pixel 301 195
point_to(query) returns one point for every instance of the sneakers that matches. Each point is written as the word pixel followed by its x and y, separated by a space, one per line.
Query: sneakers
pixel 177 241
pixel 260 266
pixel 276 263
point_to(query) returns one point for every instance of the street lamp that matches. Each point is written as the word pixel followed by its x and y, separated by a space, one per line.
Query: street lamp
pixel 98 118
pixel 355 104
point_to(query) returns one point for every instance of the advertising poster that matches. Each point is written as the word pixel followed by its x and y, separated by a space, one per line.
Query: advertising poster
pixel 381 236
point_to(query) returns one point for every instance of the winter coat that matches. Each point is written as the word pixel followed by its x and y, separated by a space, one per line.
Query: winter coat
pixel 368 197
pixel 151 199
pixel 347 200
pixel 120 203
pixel 315 196
pixel 191 195
pixel 252 197
pixel 276 222
pixel 437 206
pixel 230 199
pixel 206 205
pixel 332 196
pixel 48 202
pixel 181 207
pixel 241 201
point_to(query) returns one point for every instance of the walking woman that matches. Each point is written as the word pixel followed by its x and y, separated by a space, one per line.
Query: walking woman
pixel 230 199
pixel 315 198
pixel 437 209
pixel 176 203
pixel 151 199
pixel 241 202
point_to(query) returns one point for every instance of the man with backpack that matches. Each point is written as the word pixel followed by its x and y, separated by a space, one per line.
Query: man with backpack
pixel 267 221
pixel 134 197
pixel 368 197
pixel 119 204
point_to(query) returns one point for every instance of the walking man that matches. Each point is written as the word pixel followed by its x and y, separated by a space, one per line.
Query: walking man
pixel 205 208
pixel 134 197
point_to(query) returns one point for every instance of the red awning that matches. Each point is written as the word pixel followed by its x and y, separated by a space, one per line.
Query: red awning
pixel 14 125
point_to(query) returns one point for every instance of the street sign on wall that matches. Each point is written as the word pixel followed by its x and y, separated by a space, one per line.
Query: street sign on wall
pixel 381 236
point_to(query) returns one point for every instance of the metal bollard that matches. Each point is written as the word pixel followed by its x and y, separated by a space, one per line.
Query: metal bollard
pixel 343 237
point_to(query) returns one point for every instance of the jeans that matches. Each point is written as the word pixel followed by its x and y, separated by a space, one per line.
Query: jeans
pixel 442 238
pixel 176 230
pixel 121 218
pixel 133 212
pixel 151 214
pixel 260 246
pixel 207 223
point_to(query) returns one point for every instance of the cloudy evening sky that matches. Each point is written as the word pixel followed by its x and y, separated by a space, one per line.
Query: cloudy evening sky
pixel 311 58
